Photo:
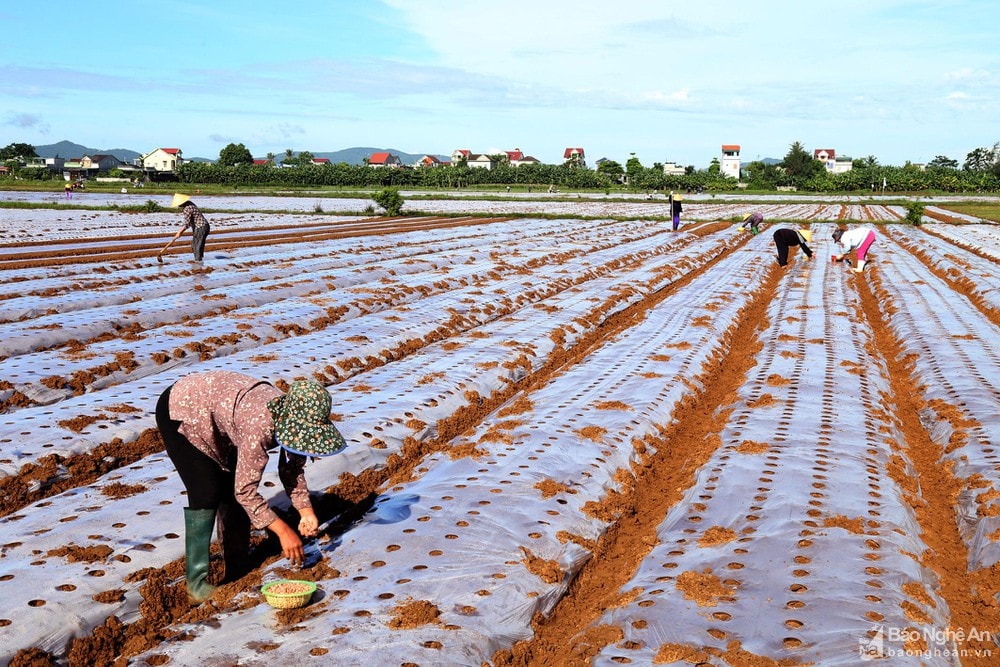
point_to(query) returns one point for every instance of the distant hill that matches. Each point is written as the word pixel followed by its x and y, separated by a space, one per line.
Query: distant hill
pixel 69 150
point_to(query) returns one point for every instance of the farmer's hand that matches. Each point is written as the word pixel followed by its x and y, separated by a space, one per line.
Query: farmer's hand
pixel 291 543
pixel 308 523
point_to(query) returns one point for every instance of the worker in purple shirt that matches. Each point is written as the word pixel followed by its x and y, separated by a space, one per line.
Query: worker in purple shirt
pixel 752 222
pixel 217 428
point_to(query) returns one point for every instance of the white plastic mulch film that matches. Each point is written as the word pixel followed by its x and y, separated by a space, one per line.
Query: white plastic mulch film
pixel 262 210
pixel 793 540
pixel 956 356
pixel 583 274
pixel 460 535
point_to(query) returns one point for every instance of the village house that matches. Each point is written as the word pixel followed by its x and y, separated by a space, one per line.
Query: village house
pixel 673 169
pixel 730 163
pixel 481 161
pixel 832 163
pixel 464 156
pixel 163 160
pixel 49 163
pixel 384 159
pixel 100 164
pixel 429 161
pixel 575 156
pixel 90 166
pixel 516 158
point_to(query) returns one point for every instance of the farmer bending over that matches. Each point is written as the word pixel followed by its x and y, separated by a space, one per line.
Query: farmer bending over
pixel 217 428
pixel 786 238
pixel 859 239
pixel 752 222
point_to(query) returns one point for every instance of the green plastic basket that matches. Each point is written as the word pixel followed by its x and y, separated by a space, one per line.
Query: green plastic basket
pixel 288 593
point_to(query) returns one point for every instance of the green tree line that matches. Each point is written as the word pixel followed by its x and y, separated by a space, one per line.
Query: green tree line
pixel 798 170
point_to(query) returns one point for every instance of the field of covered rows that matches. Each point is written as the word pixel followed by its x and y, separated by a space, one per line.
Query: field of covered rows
pixel 570 441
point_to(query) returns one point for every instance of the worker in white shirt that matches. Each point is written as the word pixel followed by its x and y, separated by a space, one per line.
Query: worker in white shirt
pixel 857 239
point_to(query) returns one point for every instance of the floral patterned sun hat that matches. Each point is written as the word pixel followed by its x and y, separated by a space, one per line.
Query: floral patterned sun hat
pixel 302 420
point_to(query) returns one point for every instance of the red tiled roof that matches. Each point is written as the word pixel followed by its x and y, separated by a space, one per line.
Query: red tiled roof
pixel 830 153
pixel 378 158
pixel 172 151
pixel 570 151
pixel 731 147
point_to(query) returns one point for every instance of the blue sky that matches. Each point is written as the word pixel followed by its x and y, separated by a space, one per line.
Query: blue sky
pixel 666 80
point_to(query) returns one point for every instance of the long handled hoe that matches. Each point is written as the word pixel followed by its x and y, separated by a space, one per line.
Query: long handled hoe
pixel 159 255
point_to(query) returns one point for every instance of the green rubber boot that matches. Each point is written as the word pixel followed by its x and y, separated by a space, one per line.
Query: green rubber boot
pixel 198 526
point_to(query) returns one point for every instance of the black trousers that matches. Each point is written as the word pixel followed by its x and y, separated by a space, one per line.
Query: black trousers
pixel 783 240
pixel 198 238
pixel 208 485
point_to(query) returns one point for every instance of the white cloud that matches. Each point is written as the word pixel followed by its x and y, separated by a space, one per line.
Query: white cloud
pixel 968 74
pixel 960 100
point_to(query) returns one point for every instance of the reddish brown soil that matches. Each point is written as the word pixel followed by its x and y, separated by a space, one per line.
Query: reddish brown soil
pixel 971 596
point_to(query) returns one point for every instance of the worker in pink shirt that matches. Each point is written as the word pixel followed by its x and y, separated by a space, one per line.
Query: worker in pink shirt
pixel 217 428
pixel 859 239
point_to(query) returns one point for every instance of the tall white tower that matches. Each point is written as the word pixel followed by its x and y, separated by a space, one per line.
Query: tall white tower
pixel 730 165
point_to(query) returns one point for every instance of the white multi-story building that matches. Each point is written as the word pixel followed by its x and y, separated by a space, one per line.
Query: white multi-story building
pixel 162 159
pixel 730 164
pixel 833 164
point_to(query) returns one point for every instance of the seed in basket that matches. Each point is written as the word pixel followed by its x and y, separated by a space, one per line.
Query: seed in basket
pixel 288 588
pixel 288 593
